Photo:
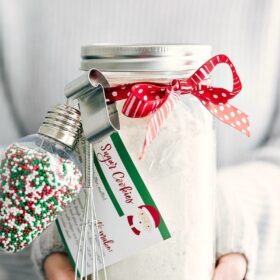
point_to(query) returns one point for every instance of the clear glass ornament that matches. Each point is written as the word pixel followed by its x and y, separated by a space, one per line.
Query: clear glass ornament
pixel 39 176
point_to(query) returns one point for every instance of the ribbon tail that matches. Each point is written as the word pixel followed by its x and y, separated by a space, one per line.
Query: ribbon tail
pixel 157 119
pixel 230 115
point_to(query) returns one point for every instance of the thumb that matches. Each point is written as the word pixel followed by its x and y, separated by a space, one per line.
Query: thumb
pixel 231 267
pixel 57 266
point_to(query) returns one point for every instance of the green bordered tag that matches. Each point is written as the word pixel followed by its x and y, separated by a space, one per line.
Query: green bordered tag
pixel 129 219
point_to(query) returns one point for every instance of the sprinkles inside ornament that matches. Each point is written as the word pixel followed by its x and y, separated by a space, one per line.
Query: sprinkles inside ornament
pixel 35 187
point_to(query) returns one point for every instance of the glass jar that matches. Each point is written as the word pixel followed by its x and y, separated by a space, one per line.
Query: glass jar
pixel 179 166
pixel 40 175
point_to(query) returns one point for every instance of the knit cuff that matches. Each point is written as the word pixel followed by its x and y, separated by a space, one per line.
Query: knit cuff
pixel 49 242
pixel 235 231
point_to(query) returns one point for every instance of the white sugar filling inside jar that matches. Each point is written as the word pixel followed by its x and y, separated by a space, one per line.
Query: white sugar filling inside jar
pixel 178 168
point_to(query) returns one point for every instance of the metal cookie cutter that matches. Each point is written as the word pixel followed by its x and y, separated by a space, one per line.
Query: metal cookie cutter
pixel 99 119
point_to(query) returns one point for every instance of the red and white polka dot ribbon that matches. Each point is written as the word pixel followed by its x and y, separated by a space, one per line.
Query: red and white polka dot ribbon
pixel 158 99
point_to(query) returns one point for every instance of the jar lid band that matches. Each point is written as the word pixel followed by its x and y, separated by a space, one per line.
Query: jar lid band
pixel 144 58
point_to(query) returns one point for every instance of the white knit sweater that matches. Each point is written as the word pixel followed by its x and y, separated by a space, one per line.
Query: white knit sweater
pixel 39 53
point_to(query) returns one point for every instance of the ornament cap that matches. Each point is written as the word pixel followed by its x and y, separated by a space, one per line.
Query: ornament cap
pixel 62 124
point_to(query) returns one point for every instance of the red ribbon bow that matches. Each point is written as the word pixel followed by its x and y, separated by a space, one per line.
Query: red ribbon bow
pixel 158 99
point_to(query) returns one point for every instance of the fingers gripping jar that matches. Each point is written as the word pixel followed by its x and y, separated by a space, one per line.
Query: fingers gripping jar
pixel 179 166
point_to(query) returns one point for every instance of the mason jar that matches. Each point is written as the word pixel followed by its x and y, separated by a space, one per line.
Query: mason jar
pixel 178 168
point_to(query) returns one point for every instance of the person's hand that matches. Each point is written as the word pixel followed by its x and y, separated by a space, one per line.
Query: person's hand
pixel 231 267
pixel 57 266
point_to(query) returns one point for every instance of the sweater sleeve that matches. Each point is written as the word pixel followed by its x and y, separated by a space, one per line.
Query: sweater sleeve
pixel 248 206
pixel 8 127
pixel 47 243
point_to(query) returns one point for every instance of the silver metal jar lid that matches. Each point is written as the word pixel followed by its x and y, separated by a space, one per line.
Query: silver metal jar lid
pixel 130 58
pixel 62 124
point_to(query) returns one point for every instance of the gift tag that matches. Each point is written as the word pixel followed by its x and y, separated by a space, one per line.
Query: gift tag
pixel 128 219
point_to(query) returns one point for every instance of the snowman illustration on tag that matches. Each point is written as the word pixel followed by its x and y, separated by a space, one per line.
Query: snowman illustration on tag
pixel 147 219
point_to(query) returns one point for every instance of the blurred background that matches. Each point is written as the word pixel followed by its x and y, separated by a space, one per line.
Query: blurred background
pixel 40 45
